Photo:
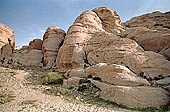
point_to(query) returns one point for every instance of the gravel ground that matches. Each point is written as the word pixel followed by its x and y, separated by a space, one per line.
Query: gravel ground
pixel 31 99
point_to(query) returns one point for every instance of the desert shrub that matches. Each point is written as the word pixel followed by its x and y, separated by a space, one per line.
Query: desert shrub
pixel 53 78
pixel 5 98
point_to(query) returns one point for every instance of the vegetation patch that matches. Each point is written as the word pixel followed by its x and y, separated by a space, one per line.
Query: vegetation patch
pixel 28 102
pixel 6 97
pixel 53 78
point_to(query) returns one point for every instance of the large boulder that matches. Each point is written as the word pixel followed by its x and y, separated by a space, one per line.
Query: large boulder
pixel 166 53
pixel 134 96
pixel 36 44
pixel 116 74
pixel 7 42
pixel 151 63
pixel 52 41
pixel 6 36
pixel 150 20
pixel 101 20
pixel 109 49
pixel 150 40
pixel 28 58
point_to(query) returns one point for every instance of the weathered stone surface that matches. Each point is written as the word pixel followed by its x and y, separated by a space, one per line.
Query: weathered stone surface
pixel 116 74
pixel 150 20
pixel 134 96
pixel 166 53
pixel 109 50
pixel 79 72
pixel 71 54
pixel 165 81
pixel 52 40
pixel 150 40
pixel 149 62
pixel 36 44
pixel 30 58
pixel 7 43
pixel 6 36
pixel 110 20
pixel 71 81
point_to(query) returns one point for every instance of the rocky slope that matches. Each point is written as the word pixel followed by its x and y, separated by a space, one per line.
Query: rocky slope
pixel 129 62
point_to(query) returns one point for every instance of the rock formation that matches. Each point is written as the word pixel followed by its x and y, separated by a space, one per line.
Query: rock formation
pixel 7 42
pixel 52 41
pixel 36 44
pixel 150 20
pixel 100 23
pixel 130 62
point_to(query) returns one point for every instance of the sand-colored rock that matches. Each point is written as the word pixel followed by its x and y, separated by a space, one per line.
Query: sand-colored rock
pixel 31 58
pixel 107 49
pixel 7 43
pixel 71 54
pixel 150 40
pixel 79 72
pixel 134 96
pixel 166 53
pixel 165 81
pixel 116 74
pixel 110 20
pixel 52 41
pixel 71 81
pixel 6 36
pixel 149 62
pixel 36 44
pixel 150 20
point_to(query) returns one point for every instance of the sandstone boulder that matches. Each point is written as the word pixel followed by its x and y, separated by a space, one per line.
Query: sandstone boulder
pixel 6 36
pixel 52 41
pixel 36 44
pixel 134 96
pixel 151 63
pixel 102 21
pixel 7 43
pixel 30 58
pixel 166 53
pixel 116 74
pixel 165 81
pixel 79 72
pixel 71 81
pixel 150 40
pixel 108 49
pixel 150 20
pixel 110 20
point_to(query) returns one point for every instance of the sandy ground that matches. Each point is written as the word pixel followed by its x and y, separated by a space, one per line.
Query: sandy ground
pixel 29 99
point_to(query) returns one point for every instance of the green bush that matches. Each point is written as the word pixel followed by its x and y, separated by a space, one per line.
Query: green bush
pixel 53 78
pixel 5 98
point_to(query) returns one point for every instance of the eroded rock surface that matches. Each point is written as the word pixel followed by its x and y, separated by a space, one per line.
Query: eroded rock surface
pixel 100 23
pixel 36 44
pixel 116 75
pixel 134 96
pixel 150 40
pixel 52 41
pixel 151 63
pixel 7 43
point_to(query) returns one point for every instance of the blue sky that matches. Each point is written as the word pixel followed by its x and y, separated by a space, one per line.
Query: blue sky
pixel 30 18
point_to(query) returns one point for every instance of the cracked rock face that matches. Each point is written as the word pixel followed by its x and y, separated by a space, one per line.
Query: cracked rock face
pixel 151 63
pixel 7 42
pixel 116 75
pixel 52 40
pixel 6 36
pixel 133 96
pixel 98 23
pixel 36 44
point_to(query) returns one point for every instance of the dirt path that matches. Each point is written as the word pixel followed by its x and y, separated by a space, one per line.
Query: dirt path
pixel 29 99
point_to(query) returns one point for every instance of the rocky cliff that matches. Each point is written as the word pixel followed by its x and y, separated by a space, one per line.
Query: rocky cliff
pixel 131 59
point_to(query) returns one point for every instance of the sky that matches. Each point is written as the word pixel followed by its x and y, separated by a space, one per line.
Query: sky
pixel 30 18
